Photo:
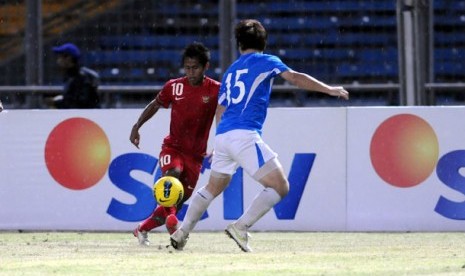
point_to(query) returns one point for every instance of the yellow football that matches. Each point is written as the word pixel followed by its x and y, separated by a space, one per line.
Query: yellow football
pixel 168 191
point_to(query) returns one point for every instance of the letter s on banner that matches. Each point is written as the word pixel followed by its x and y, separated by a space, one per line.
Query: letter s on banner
pixel 119 173
pixel 447 170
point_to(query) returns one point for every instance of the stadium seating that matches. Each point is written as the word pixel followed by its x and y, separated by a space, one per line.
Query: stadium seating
pixel 339 41
pixel 153 41
pixel 325 6
pixel 331 39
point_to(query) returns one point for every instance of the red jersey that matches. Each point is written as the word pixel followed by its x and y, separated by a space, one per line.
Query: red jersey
pixel 192 112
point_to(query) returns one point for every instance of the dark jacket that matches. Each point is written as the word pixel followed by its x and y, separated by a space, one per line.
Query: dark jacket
pixel 80 91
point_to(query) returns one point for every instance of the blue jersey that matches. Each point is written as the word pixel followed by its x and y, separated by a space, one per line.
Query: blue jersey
pixel 245 91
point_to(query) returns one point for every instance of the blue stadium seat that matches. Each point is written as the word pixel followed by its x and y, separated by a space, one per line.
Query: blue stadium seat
pixel 326 54
pixel 128 41
pixel 109 73
pixel 334 54
pixel 115 73
pixel 155 41
pixel 388 54
pixel 378 5
pixel 130 56
pixel 297 54
pixel 449 38
pixel 137 57
pixel 448 100
pixel 297 23
pixel 287 38
pixel 450 68
pixel 366 70
pixel 325 22
pixel 162 73
pixel 199 8
pixel 347 39
pixel 137 72
pixel 440 5
pixel 450 20
pixel 452 53
pixel 368 20
pixel 458 5
pixel 253 10
pixel 330 6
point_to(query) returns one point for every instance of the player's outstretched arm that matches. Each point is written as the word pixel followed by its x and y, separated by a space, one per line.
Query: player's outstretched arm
pixel 148 113
pixel 309 83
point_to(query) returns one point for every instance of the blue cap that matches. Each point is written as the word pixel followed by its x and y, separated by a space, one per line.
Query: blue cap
pixel 68 49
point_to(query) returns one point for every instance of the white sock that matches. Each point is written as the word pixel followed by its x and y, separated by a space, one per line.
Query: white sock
pixel 198 205
pixel 261 204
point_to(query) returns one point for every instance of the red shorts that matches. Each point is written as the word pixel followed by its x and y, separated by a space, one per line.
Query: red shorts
pixel 188 165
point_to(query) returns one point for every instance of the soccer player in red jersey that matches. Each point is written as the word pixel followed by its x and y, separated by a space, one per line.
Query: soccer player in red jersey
pixel 193 100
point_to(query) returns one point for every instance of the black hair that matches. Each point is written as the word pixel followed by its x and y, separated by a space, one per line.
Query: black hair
pixel 250 34
pixel 198 51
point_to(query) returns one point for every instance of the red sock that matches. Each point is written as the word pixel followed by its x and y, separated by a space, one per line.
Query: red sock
pixel 171 223
pixel 157 218
pixel 170 210
pixel 171 220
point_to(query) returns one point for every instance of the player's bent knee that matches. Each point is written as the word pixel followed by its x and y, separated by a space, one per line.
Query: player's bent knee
pixel 277 181
pixel 282 188
pixel 285 189
pixel 217 183
pixel 175 172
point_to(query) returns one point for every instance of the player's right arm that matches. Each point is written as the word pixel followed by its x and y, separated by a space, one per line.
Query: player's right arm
pixel 309 83
pixel 148 113
pixel 163 99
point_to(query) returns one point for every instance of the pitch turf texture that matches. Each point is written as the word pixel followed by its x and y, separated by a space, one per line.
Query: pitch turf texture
pixel 212 253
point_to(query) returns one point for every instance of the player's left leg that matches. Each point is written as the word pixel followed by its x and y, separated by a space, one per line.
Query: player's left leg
pixel 261 162
pixel 170 220
pixel 172 165
pixel 262 203
pixel 188 178
pixel 156 219
pixel 222 168
pixel 198 205
pixel 276 187
pixel 142 236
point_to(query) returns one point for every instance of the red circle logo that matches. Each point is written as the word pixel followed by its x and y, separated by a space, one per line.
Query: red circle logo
pixel 404 150
pixel 77 153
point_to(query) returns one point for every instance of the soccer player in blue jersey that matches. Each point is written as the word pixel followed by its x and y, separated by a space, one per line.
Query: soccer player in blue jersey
pixel 243 101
